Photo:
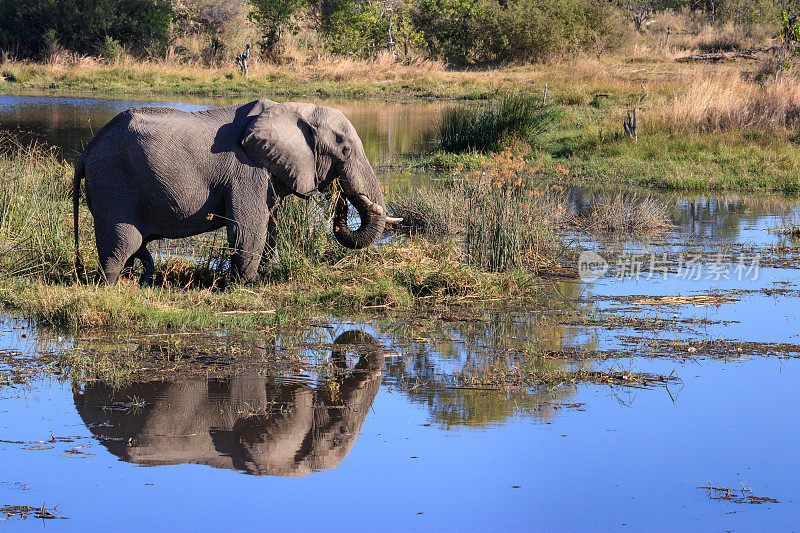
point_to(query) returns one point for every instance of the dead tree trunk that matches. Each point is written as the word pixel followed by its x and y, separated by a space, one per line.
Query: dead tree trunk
pixel 629 125
pixel 243 60
pixel 641 16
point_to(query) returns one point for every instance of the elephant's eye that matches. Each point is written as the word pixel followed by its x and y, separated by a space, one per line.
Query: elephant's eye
pixel 346 151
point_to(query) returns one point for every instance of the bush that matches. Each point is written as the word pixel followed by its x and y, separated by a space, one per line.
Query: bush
pixel 367 28
pixel 273 17
pixel 110 49
pixel 455 30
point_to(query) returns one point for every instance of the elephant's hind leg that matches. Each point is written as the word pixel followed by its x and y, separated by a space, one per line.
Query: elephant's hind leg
pixel 143 255
pixel 115 246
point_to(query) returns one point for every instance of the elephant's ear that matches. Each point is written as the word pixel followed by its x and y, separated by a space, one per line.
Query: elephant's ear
pixel 281 138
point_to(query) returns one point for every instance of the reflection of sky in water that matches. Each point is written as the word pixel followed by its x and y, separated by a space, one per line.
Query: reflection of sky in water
pixel 758 317
pixel 60 104
pixel 713 225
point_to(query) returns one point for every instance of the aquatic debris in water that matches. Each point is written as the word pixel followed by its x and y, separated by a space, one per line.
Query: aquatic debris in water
pixel 716 348
pixel 16 371
pixel 22 512
pixel 698 300
pixel 792 230
pixel 76 452
pixel 745 495
pixel 16 485
pixel 486 379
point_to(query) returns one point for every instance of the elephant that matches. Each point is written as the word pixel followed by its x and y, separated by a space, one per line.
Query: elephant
pixel 245 422
pixel 163 173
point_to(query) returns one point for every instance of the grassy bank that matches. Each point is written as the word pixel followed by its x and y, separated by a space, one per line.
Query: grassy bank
pixel 570 81
pixel 363 79
pixel 491 253
pixel 394 277
pixel 706 162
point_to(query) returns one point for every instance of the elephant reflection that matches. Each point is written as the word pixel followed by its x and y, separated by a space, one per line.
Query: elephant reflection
pixel 241 423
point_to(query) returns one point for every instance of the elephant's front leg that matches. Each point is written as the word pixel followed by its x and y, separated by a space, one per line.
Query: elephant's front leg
pixel 247 233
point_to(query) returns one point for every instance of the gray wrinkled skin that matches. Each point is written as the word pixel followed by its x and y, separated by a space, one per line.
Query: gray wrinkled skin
pixel 162 173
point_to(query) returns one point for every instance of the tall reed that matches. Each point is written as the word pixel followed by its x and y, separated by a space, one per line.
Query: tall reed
pixel 507 217
pixel 35 211
pixel 304 237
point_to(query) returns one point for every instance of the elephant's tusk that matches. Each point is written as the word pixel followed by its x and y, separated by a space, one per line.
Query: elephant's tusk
pixel 393 220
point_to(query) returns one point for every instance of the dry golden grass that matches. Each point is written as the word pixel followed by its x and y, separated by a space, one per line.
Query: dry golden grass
pixel 728 101
pixel 382 68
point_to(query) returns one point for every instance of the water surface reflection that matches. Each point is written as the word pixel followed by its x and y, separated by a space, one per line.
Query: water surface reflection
pixel 246 422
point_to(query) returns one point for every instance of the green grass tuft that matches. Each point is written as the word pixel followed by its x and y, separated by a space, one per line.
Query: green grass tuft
pixel 487 126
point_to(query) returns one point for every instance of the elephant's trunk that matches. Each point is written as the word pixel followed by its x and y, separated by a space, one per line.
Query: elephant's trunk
pixel 368 200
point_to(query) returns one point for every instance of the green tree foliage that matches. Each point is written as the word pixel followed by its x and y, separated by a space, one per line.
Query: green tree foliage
pixel 748 11
pixel 455 30
pixel 485 31
pixel 533 29
pixel 31 28
pixel 791 27
pixel 743 12
pixel 273 17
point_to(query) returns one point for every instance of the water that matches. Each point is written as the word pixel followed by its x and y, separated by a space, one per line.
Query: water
pixel 370 435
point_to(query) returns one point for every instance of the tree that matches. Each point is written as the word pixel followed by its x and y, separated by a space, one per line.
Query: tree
pixel 485 31
pixel 641 11
pixel 273 17
pixel 455 30
pixel 210 18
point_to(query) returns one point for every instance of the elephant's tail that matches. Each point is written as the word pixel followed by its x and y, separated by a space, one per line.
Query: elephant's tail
pixel 80 169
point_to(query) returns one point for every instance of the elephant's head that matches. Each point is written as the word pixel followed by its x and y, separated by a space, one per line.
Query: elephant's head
pixel 308 146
